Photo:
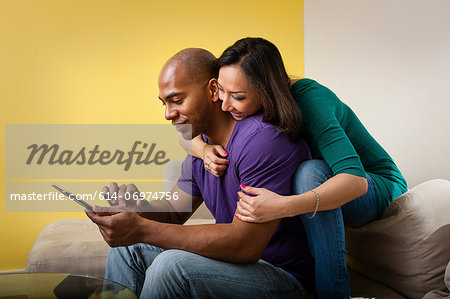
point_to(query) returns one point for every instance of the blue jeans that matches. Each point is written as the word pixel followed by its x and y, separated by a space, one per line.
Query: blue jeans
pixel 326 235
pixel 152 272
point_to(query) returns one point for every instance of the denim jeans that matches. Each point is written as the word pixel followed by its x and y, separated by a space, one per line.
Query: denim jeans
pixel 152 272
pixel 326 235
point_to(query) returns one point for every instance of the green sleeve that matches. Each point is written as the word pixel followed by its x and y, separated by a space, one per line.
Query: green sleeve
pixel 322 113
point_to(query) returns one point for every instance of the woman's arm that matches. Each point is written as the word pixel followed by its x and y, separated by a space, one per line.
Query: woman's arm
pixel 267 206
pixel 211 154
pixel 193 147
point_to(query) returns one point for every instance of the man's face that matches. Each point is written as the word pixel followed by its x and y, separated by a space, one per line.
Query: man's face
pixel 186 101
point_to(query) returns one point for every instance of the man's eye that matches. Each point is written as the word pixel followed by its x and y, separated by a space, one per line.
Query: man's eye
pixel 178 101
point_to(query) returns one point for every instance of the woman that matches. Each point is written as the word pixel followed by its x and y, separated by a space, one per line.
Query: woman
pixel 351 179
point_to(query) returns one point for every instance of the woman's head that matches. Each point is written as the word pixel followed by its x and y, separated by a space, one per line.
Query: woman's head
pixel 252 78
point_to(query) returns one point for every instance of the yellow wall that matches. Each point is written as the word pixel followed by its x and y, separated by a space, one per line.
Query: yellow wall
pixel 85 61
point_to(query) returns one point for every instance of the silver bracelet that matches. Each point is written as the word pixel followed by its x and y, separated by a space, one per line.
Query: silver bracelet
pixel 317 204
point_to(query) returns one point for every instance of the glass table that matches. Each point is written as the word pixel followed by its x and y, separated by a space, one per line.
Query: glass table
pixel 58 285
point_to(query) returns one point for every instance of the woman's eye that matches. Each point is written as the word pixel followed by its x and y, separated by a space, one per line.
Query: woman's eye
pixel 238 98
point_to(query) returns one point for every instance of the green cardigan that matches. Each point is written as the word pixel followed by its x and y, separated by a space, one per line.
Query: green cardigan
pixel 335 134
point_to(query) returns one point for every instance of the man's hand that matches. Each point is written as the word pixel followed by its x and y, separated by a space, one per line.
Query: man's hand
pixel 119 225
pixel 126 196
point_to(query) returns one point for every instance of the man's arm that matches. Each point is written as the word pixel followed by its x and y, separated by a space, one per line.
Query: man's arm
pixel 268 160
pixel 164 210
pixel 237 242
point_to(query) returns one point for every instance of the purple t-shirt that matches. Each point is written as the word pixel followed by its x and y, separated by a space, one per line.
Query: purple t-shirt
pixel 260 156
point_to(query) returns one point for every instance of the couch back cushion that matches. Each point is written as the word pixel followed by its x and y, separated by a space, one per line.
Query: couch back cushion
pixel 409 248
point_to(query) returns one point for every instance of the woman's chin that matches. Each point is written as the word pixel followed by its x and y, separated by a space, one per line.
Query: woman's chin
pixel 238 116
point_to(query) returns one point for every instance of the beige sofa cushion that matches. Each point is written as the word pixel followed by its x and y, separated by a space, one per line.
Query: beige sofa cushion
pixel 69 246
pixel 409 248
pixel 441 294
pixel 74 246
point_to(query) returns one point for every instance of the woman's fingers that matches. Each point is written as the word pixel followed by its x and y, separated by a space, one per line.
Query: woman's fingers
pixel 220 150
pixel 244 215
pixel 219 161
pixel 252 190
pixel 216 154
pixel 245 218
pixel 216 169
pixel 246 203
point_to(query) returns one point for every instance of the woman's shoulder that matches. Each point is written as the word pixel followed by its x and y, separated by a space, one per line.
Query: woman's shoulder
pixel 309 92
pixel 302 82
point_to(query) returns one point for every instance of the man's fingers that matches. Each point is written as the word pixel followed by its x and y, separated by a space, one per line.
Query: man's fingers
pixel 133 195
pixel 108 211
pixel 97 218
pixel 112 194
pixel 113 188
pixel 121 195
pixel 105 192
pixel 142 204
pixel 132 188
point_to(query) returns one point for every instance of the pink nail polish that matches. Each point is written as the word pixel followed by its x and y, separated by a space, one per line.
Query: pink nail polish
pixel 243 186
pixel 225 153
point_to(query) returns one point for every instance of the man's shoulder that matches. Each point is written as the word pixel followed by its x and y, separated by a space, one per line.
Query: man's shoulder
pixel 255 127
pixel 254 135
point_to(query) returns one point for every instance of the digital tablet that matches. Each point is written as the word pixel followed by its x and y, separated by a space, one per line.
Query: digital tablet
pixel 73 198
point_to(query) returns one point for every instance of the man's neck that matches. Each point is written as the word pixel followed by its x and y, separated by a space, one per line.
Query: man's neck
pixel 221 128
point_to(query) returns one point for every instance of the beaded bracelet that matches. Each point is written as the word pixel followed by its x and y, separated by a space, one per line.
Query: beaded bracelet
pixel 317 204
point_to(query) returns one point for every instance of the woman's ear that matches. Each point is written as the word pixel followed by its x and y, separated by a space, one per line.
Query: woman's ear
pixel 214 89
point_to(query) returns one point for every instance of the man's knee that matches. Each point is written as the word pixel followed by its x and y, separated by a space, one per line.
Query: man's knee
pixel 170 263
pixel 168 274
pixel 311 174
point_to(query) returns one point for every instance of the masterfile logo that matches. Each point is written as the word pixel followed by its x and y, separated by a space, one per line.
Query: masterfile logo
pixel 84 158
pixel 94 156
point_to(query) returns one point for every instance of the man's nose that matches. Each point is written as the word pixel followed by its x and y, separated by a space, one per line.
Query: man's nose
pixel 170 113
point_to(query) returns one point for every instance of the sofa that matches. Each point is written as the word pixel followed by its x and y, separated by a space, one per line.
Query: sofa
pixel 405 254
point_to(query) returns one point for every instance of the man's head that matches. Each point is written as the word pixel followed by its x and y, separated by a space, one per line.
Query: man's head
pixel 188 88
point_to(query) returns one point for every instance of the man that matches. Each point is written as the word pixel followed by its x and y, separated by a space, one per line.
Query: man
pixel 230 258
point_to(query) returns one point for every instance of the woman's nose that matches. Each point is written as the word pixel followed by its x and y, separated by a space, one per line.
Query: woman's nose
pixel 226 103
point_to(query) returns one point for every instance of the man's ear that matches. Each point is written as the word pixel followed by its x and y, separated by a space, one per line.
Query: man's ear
pixel 214 89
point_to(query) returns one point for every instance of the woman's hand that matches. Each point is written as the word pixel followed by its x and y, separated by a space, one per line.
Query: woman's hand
pixel 264 207
pixel 212 159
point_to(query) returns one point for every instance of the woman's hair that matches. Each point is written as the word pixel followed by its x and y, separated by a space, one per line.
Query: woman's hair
pixel 263 67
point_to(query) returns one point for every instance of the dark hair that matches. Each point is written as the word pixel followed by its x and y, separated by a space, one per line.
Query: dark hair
pixel 263 67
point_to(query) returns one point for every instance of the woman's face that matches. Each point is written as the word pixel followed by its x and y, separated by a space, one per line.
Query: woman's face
pixel 236 95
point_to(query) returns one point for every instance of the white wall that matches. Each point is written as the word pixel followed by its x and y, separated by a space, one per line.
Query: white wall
pixel 390 61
